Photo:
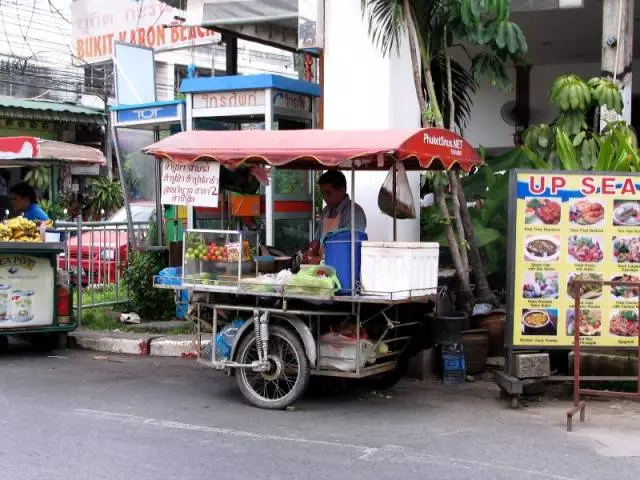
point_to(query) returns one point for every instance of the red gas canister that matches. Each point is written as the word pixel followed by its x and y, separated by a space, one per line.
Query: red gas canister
pixel 63 303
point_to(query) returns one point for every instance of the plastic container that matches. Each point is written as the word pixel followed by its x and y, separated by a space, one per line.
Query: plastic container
pixel 453 366
pixel 337 254
pixel 400 268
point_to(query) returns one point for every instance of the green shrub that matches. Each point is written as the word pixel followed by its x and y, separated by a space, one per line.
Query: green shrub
pixel 146 301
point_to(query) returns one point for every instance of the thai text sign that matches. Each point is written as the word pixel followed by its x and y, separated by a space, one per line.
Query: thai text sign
pixel 97 24
pixel 236 99
pixel 195 184
pixel 574 226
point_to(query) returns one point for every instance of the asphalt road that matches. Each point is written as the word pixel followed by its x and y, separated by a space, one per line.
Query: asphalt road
pixel 76 415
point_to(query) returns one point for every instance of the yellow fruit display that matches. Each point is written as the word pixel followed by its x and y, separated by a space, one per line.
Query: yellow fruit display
pixel 19 229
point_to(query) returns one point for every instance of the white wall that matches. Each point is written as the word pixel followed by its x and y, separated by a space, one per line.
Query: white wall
pixel 363 90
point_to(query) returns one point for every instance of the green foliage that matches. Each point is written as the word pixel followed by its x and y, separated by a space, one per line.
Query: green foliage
pixel 441 25
pixel 571 143
pixel 491 186
pixel 146 301
pixel 106 195
pixel 39 178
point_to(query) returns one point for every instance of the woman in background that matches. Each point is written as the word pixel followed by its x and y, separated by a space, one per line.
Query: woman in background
pixel 25 202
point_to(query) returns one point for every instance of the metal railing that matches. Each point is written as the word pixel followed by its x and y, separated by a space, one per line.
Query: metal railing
pixel 96 256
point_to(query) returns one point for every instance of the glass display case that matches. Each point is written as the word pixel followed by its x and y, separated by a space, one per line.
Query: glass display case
pixel 216 258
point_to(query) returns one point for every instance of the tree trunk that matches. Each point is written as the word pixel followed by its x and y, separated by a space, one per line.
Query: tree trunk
pixel 417 80
pixel 452 103
pixel 465 299
pixel 484 293
pixel 455 186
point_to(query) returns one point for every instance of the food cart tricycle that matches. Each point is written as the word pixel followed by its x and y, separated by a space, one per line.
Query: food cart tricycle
pixel 35 301
pixel 282 327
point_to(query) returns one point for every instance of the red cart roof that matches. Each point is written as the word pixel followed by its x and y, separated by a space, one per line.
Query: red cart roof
pixel 431 148
pixel 15 151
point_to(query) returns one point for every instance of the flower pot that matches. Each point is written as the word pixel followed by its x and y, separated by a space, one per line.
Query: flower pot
pixel 475 344
pixel 494 324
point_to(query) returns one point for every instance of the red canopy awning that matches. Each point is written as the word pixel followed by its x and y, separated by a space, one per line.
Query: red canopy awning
pixel 431 148
pixel 17 151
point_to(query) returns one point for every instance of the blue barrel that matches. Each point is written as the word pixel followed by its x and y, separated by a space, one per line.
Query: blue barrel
pixel 337 254
pixel 453 371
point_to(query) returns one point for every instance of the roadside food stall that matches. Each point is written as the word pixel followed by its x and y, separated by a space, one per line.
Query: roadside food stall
pixel 35 301
pixel 358 315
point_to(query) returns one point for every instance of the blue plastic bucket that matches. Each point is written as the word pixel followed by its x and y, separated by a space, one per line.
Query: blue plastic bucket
pixel 337 254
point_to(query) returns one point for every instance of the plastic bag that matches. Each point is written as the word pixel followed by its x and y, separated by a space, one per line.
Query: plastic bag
pixel 314 280
pixel 225 339
pixel 339 350
pixel 405 208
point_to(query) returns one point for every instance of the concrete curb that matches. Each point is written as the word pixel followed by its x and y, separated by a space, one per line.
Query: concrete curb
pixel 135 343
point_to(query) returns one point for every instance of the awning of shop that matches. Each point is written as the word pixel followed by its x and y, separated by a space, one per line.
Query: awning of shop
pixel 48 111
pixel 31 151
pixel 431 148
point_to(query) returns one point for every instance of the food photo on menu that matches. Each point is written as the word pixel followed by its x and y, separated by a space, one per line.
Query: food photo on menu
pixel 620 292
pixel 624 323
pixel 588 291
pixel 585 249
pixel 540 285
pixel 626 249
pixel 542 248
pixel 626 213
pixel 540 322
pixel 590 322
pixel 542 211
pixel 586 212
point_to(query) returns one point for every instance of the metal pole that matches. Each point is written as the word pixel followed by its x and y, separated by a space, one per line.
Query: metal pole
pixel 576 344
pixel 125 193
pixel 79 266
pixel 395 198
pixel 268 197
pixel 158 186
pixel 353 232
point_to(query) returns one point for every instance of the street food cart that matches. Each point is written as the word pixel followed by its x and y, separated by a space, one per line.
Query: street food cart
pixel 34 299
pixel 280 329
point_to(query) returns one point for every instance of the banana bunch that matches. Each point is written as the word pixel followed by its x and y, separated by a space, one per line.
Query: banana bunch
pixel 606 93
pixel 589 151
pixel 5 233
pixel 572 121
pixel 20 229
pixel 570 92
pixel 538 137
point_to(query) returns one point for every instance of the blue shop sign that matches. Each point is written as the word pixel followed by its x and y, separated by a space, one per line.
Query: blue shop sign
pixel 148 114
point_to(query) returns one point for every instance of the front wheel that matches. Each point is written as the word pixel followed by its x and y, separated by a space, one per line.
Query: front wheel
pixel 288 374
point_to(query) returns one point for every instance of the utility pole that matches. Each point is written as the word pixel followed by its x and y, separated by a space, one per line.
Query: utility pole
pixel 617 53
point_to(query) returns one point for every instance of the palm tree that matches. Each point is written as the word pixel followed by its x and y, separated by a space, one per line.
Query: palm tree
pixel 444 88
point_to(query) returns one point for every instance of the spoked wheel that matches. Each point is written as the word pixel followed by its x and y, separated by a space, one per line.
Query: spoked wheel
pixel 288 374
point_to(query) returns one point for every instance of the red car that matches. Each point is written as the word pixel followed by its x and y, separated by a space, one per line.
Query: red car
pixel 104 248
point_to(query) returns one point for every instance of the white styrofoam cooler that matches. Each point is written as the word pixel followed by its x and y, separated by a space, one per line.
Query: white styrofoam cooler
pixel 402 269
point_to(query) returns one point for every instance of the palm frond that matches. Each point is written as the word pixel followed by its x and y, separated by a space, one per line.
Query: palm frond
pixel 387 23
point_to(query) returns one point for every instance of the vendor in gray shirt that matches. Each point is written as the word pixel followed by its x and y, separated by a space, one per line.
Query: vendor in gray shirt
pixel 337 214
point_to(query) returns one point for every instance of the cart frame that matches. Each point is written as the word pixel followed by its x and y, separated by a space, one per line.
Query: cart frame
pixel 274 321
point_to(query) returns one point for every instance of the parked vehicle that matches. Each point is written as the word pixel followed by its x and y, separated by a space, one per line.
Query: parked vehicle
pixel 104 246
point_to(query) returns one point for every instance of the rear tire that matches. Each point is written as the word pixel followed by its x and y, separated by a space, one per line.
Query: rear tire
pixel 288 378
pixel 46 342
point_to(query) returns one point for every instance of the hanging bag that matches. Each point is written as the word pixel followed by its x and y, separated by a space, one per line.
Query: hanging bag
pixel 404 208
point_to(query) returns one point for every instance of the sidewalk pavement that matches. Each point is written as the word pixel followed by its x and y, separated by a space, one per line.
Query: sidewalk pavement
pixel 135 343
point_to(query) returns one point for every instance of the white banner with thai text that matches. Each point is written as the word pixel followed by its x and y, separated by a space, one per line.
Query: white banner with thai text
pixel 150 23
pixel 196 184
